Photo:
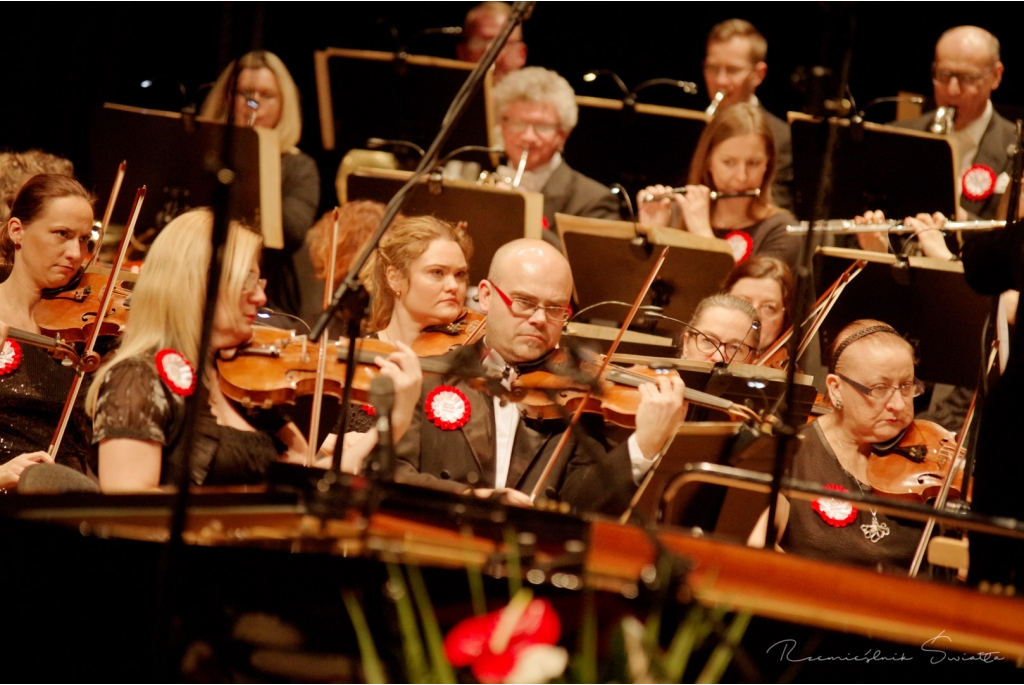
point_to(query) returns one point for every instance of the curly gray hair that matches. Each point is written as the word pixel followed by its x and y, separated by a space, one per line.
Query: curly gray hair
pixel 537 84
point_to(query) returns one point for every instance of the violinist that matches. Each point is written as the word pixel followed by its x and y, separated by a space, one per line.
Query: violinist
pixel 735 156
pixel 767 284
pixel 137 399
pixel 43 242
pixel 266 95
pixel 724 328
pixel 466 440
pixel 872 387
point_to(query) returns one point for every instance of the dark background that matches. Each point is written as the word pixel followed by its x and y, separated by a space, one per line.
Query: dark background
pixel 63 60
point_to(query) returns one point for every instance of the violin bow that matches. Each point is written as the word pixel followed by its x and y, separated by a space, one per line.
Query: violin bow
pixel 108 294
pixel 546 474
pixel 321 364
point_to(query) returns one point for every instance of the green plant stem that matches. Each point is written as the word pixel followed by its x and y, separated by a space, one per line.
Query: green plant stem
pixel 372 669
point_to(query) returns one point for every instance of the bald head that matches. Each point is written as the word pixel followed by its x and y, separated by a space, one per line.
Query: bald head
pixel 969 39
pixel 526 298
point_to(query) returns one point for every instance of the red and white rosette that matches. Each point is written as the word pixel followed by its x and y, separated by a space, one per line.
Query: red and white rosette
pixel 835 512
pixel 978 183
pixel 447 408
pixel 741 244
pixel 10 356
pixel 176 372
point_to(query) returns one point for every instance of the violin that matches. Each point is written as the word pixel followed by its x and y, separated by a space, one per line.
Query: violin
pixel 914 464
pixel 437 340
pixel 616 396
pixel 70 313
pixel 59 349
pixel 277 366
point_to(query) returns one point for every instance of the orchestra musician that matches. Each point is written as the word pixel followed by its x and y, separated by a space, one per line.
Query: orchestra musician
pixel 537 109
pixel 734 66
pixel 137 398
pixel 966 70
pixel 466 440
pixel 43 242
pixel 768 285
pixel 266 95
pixel 482 25
pixel 735 154
pixel 724 328
pixel 872 387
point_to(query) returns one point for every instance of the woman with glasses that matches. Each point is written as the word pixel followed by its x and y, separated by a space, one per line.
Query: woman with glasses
pixel 265 95
pixel 872 387
pixel 735 156
pixel 767 284
pixel 724 328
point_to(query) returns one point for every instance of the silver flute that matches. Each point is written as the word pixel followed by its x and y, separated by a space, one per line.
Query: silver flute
pixel 715 195
pixel 848 227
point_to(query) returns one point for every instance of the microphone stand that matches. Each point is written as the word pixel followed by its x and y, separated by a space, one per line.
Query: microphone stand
pixel 351 298
pixel 787 429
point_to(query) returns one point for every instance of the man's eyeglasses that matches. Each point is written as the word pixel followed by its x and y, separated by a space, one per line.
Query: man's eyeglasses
pixel 734 351
pixel 914 388
pixel 518 126
pixel 526 308
pixel 965 79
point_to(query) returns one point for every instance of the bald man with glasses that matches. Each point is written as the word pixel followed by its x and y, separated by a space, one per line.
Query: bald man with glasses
pixel 469 441
pixel 965 72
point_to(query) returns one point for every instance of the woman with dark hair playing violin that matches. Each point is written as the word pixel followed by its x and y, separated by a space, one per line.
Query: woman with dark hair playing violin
pixel 43 242
pixel 872 387
pixel 137 399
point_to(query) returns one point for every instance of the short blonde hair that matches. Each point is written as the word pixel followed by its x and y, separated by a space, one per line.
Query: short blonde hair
pixel 725 31
pixel 168 300
pixel 537 84
pixel 289 128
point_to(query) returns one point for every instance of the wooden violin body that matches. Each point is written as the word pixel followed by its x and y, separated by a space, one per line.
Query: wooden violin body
pixel 71 313
pixel 916 467
pixel 437 340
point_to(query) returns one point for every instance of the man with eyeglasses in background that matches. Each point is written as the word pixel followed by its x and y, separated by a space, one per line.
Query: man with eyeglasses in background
pixel 466 440
pixel 734 65
pixel 537 112
pixel 965 72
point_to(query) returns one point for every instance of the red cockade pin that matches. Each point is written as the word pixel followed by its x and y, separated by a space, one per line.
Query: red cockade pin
pixel 835 512
pixel 176 372
pixel 447 407
pixel 10 356
pixel 978 183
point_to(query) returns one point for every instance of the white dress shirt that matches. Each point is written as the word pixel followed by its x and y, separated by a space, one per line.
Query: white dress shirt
pixel 968 139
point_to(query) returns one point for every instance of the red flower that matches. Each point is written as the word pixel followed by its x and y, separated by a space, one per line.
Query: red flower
pixel 493 645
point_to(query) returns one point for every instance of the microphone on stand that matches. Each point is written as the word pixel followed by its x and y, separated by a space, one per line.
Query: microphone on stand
pixel 382 397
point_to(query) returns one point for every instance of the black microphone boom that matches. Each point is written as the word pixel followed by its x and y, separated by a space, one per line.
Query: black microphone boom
pixel 382 397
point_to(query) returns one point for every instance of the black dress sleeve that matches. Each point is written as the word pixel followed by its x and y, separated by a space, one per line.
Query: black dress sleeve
pixel 133 404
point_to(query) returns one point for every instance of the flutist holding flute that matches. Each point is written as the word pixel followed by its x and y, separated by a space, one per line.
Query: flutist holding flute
pixel 729 191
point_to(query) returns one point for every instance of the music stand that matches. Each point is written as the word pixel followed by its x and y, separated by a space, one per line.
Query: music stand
pixel 493 216
pixel 598 249
pixel 169 156
pixel 899 171
pixel 363 94
pixel 636 147
pixel 731 513
pixel 938 312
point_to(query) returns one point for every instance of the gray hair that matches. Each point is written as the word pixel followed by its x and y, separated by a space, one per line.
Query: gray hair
pixel 727 301
pixel 537 84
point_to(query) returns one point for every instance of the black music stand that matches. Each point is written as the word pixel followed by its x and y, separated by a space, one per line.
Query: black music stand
pixel 363 94
pixel 730 513
pixel 938 312
pixel 607 266
pixel 169 156
pixel 493 216
pixel 899 171
pixel 636 147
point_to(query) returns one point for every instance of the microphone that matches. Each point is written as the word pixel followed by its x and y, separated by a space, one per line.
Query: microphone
pixel 378 143
pixel 267 312
pixel 382 397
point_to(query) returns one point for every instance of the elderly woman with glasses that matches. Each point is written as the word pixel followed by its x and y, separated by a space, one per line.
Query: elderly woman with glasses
pixel 872 387
pixel 724 328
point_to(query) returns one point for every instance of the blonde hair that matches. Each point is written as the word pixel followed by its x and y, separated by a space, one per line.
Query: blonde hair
pixel 168 300
pixel 401 245
pixel 289 128
pixel 738 120
pixel 725 31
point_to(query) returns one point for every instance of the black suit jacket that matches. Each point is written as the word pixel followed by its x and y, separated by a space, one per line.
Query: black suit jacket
pixel 570 192
pixel 587 475
pixel 991 152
